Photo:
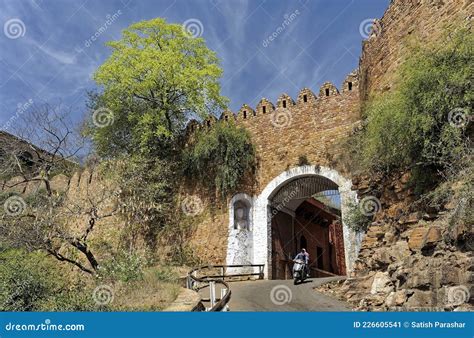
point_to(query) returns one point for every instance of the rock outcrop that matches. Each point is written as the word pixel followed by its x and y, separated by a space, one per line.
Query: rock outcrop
pixel 409 260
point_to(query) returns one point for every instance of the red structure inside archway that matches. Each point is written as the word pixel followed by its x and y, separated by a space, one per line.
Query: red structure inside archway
pixel 318 229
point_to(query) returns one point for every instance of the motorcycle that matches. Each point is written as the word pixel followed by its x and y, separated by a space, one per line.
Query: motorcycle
pixel 299 271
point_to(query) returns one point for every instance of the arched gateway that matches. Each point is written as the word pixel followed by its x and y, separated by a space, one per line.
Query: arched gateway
pixel 269 228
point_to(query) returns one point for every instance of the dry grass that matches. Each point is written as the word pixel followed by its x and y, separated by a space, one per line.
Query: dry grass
pixel 158 289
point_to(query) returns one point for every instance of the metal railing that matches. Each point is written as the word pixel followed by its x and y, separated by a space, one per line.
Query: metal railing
pixel 213 278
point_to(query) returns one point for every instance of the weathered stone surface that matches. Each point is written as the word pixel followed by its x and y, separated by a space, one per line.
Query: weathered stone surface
pixel 417 238
pixel 381 283
pixel 385 50
pixel 433 235
pixel 420 299
pixel 59 183
pixel 396 298
pixel 416 252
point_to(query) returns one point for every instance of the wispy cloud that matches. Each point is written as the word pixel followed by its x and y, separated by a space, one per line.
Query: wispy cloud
pixel 321 44
pixel 60 56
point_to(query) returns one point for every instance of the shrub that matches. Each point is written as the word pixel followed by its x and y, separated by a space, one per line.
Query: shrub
pixel 22 283
pixel 164 274
pixel 220 157
pixel 415 124
pixel 145 192
pixel 123 266
pixel 355 219
pixel 31 282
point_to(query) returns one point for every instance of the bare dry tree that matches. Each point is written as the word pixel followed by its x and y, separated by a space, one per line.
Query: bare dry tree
pixel 38 217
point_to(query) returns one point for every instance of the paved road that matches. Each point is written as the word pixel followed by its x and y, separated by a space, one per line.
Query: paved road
pixel 282 295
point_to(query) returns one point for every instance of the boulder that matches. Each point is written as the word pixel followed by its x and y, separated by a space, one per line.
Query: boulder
pixel 381 283
pixel 420 299
pixel 423 237
pixel 433 236
pixel 400 250
pixel 421 279
pixel 396 298
pixel 416 239
pixel 412 218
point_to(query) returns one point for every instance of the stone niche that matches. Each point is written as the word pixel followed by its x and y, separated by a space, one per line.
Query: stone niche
pixel 239 246
pixel 241 215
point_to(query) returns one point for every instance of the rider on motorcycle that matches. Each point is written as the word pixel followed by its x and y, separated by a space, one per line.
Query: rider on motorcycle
pixel 304 256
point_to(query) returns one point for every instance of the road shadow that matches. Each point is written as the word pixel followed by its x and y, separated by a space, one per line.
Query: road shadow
pixel 305 281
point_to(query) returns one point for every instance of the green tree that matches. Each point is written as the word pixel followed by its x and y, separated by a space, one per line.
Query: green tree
pixel 156 78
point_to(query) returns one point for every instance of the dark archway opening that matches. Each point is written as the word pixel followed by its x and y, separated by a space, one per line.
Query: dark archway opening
pixel 306 214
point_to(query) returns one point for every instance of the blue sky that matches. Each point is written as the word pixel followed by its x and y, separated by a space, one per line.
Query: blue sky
pixel 47 53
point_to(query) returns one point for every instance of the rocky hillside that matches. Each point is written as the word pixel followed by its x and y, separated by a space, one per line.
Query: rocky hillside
pixel 411 260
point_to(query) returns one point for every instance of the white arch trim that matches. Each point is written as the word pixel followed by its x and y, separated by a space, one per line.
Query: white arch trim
pixel 262 241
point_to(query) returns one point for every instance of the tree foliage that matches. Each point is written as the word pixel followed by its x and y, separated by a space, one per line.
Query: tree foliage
pixel 156 77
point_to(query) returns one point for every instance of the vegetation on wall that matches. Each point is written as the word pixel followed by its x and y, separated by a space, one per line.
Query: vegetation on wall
pixel 424 121
pixel 220 157
pixel 356 219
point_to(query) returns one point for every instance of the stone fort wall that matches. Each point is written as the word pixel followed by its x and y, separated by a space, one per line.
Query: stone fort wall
pixel 290 134
pixel 385 49
pixel 311 128
pixel 301 131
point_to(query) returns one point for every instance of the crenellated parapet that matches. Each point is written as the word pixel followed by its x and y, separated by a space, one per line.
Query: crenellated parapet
pixel 264 107
pixel 327 89
pixel 285 101
pixel 246 112
pixel 329 95
pixel 306 96
pixel 351 82
pixel 227 116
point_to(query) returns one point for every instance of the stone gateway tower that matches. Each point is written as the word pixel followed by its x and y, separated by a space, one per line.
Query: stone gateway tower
pixel 298 144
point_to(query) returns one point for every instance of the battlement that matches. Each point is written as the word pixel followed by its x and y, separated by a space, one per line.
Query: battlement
pixel 305 100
